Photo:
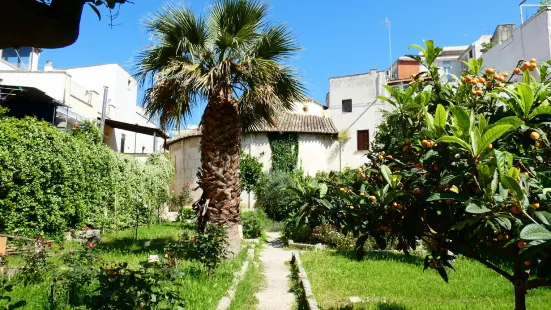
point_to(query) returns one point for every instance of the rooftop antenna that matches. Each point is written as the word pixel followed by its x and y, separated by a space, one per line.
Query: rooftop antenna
pixel 387 24
pixel 521 13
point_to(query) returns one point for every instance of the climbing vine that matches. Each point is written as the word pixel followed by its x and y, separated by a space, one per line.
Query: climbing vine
pixel 284 148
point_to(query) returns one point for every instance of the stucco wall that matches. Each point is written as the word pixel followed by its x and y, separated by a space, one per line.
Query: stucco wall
pixel 366 114
pixel 187 160
pixel 530 40
pixel 122 93
pixel 316 153
pixel 52 83
pixel 122 99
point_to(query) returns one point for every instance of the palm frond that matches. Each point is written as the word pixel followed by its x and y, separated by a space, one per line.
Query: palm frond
pixel 275 43
pixel 235 23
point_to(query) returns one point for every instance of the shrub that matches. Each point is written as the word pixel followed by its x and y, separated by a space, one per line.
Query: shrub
pixel 253 224
pixel 272 197
pixel 51 180
pixel 120 287
pixel 298 233
pixel 186 214
pixel 180 200
pixel 251 171
pixel 329 235
pixel 208 248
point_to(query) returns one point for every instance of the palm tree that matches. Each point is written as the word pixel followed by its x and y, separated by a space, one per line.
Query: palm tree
pixel 235 61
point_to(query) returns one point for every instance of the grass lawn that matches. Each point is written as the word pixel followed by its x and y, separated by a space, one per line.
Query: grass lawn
pixel 401 282
pixel 199 291
pixel 252 283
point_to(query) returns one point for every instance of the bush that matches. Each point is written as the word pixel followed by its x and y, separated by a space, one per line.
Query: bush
pixel 254 223
pixel 297 233
pixel 329 235
pixel 208 248
pixel 51 181
pixel 272 196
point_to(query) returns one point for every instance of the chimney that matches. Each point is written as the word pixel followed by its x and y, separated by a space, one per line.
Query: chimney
pixel 49 66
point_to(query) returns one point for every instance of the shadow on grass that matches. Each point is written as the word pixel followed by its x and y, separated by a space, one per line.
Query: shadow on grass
pixel 378 306
pixel 383 255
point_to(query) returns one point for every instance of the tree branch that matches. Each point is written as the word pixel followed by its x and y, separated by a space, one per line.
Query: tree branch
pixel 531 284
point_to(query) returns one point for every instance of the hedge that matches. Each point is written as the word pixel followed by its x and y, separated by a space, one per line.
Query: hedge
pixel 51 181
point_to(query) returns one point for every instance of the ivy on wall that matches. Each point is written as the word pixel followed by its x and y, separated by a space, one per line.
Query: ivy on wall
pixel 284 148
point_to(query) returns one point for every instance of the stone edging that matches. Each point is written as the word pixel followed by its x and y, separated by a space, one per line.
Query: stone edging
pixel 225 302
pixel 311 302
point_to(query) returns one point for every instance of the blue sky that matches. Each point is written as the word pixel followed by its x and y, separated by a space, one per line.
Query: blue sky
pixel 338 37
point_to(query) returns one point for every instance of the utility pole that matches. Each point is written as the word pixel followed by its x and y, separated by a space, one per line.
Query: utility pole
pixel 104 109
pixel 387 24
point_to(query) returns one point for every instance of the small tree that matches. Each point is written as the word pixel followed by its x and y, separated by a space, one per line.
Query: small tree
pixel 251 172
pixel 466 168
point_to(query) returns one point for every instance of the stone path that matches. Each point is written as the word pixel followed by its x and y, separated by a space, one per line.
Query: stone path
pixel 277 295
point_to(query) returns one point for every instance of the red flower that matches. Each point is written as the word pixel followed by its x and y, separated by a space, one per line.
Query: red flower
pixel 85 228
pixel 16 234
pixel 37 237
pixel 49 245
pixel 180 196
pixel 91 245
pixel 193 189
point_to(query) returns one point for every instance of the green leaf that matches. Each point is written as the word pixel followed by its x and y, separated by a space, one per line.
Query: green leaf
pixel 323 190
pixel 535 232
pixel 95 9
pixel 527 78
pixel 482 122
pixel 387 173
pixel 544 217
pixel 428 118
pixel 504 222
pixel 446 196
pixel 456 140
pixel 526 96
pixel 475 138
pixel 476 209
pixel 511 120
pixel 461 118
pixel 541 110
pixel 504 161
pixel 440 117
pixel 513 173
pixel 490 136
pixel 512 184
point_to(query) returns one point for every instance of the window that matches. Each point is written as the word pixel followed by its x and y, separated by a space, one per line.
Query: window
pixel 363 140
pixel 123 139
pixel 20 58
pixel 347 105
pixel 447 67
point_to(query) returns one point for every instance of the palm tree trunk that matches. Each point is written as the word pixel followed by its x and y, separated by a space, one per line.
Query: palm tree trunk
pixel 219 176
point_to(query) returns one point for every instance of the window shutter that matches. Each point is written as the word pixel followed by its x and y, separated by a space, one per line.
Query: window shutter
pixel 363 140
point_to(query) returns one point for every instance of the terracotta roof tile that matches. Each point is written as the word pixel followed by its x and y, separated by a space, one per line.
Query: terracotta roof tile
pixel 286 123
pixel 302 123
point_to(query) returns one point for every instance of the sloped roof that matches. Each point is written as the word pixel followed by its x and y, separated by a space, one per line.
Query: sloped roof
pixel 302 123
pixel 286 123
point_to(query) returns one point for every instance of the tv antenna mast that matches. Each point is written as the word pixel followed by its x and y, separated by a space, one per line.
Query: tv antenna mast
pixel 389 26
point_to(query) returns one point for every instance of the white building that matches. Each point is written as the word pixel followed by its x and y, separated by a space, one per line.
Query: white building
pixel 317 145
pixel 353 106
pixel 80 91
pixel 532 39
